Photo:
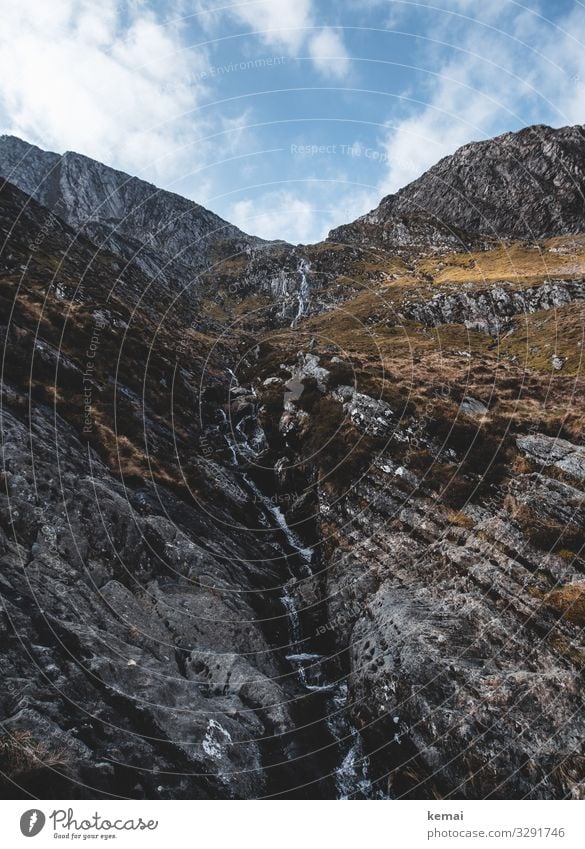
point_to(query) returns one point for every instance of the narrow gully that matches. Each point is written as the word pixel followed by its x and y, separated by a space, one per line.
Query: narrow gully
pixel 321 756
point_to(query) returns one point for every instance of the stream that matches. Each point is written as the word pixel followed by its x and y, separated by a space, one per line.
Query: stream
pixel 324 745
pixel 303 291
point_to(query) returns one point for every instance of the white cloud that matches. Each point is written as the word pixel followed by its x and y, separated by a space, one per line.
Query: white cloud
pixel 275 214
pixel 287 214
pixel 79 75
pixel 288 25
pixel 506 75
pixel 567 50
pixel 456 114
pixel 329 54
pixel 277 22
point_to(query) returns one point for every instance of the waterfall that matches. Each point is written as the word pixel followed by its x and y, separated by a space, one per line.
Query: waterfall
pixel 351 777
pixel 303 291
pixel 350 772
pixel 235 381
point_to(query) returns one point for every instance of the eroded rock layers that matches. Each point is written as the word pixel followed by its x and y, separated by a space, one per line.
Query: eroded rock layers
pixel 294 521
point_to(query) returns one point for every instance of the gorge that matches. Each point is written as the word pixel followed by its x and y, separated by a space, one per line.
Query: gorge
pixel 299 521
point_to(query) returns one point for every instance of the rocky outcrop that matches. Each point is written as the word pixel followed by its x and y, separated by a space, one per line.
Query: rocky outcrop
pixel 122 643
pixel 253 545
pixel 406 234
pixel 169 237
pixel 525 185
pixel 144 636
pixel 460 629
pixel 551 451
pixel 493 310
pixel 369 415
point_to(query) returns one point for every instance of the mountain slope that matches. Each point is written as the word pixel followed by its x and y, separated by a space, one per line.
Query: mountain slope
pixel 317 532
pixel 167 235
pixel 524 185
pixel 142 630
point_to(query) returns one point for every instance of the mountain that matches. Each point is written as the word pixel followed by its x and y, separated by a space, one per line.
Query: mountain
pixel 168 236
pixel 524 185
pixel 117 468
pixel 317 532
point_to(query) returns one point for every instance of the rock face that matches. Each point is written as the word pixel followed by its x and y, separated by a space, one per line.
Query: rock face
pixel 555 452
pixel 369 415
pixel 526 185
pixel 493 309
pixel 168 236
pixel 316 532
pixel 119 596
pixel 459 665
pixel 155 645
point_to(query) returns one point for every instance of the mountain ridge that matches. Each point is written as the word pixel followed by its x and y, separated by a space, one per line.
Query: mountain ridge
pixel 166 234
pixel 440 201
pixel 317 532
pixel 528 184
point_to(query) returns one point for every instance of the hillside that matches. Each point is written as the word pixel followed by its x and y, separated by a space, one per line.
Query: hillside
pixel 525 185
pixel 312 527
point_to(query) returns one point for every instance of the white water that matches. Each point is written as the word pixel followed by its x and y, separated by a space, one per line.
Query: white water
pixel 303 291
pixel 305 664
pixel 351 776
pixel 235 380
pixel 254 443
pixel 224 429
pixel 294 622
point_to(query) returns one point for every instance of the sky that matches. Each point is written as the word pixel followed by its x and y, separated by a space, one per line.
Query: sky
pixel 285 117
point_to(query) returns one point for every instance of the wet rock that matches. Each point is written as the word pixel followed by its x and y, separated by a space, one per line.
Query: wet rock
pixel 244 405
pixel 238 391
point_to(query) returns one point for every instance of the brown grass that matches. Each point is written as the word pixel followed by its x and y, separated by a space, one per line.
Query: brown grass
pixel 21 753
pixel 460 519
pixel 516 262
pixel 569 601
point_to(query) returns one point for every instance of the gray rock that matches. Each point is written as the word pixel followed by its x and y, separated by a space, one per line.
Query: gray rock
pixel 526 185
pixel 369 415
pixel 552 451
pixel 168 236
pixel 493 310
pixel 472 407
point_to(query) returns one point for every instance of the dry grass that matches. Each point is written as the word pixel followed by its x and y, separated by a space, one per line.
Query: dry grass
pixel 569 601
pixel 546 533
pixel 460 519
pixel 21 753
pixel 541 335
pixel 516 262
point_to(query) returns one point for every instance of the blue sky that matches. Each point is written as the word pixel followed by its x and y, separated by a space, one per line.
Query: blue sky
pixel 287 117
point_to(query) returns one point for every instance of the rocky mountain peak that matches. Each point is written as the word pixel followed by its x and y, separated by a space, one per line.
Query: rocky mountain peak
pixel 524 185
pixel 312 528
pixel 167 235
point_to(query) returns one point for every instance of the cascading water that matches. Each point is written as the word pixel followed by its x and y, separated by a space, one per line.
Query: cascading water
pixel 349 770
pixel 303 291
